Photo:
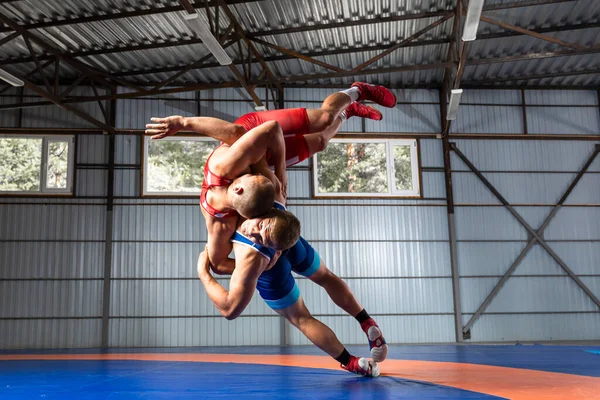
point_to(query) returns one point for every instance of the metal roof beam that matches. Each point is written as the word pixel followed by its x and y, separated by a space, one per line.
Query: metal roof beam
pixel 531 33
pixel 193 41
pixel 536 76
pixel 119 15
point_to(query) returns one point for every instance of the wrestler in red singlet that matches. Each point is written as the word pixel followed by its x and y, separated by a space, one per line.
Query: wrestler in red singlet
pixel 210 180
pixel 294 124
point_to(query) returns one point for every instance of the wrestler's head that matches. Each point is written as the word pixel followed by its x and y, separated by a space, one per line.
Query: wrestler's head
pixel 252 195
pixel 277 229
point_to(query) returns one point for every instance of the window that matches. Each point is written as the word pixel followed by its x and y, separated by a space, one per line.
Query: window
pixel 367 168
pixel 36 164
pixel 175 165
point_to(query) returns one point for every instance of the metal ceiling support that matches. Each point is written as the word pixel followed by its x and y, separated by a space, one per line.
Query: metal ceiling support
pixel 72 87
pixel 8 38
pixel 294 54
pixel 190 67
pixel 373 71
pixel 533 56
pixel 459 336
pixel 119 15
pixel 536 235
pixel 396 18
pixel 593 71
pixel 27 75
pixel 519 4
pixel 531 33
pixel 37 63
pixel 240 77
pixel 402 43
pixel 56 75
pixel 240 31
pixel 55 100
pixel 194 41
pixel 94 74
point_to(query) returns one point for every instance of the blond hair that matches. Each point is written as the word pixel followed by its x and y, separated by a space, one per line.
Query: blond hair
pixel 285 231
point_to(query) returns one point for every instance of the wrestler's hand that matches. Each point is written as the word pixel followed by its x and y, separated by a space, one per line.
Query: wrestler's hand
pixel 164 127
pixel 203 267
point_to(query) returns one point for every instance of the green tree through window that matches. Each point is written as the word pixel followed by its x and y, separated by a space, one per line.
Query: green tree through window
pixel 177 165
pixel 20 161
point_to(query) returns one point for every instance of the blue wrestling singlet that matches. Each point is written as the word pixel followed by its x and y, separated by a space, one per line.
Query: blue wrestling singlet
pixel 277 286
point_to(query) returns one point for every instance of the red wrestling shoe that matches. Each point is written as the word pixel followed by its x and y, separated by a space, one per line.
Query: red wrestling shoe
pixel 362 366
pixel 375 93
pixel 360 110
pixel 379 348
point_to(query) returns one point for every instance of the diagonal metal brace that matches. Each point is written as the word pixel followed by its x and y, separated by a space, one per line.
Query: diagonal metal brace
pixel 536 235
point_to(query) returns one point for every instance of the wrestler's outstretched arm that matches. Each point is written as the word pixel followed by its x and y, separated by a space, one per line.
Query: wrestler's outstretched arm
pixel 215 128
pixel 242 285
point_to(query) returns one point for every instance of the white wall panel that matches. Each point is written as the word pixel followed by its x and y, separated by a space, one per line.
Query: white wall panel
pixel 587 190
pixel 127 149
pixel 497 223
pixel 50 333
pixel 402 296
pixel 52 222
pixel 524 155
pixel 170 298
pixel 91 182
pixel 488 119
pixel 92 149
pixel 576 120
pixel 31 299
pixel 561 97
pixel 580 223
pixel 531 327
pixel 403 329
pixel 364 259
pixel 534 294
pixel 194 332
pixel 127 182
pixel 9 118
pixel 408 118
pixel 51 260
pixel 516 188
pixel 431 153
pixel 491 96
pixel 159 222
pixel 373 223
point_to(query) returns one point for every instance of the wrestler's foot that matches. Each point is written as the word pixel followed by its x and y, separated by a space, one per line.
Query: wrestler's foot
pixel 378 94
pixel 362 366
pixel 379 348
pixel 360 110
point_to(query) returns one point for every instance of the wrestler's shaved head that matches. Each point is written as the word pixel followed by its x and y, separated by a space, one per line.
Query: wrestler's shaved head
pixel 253 195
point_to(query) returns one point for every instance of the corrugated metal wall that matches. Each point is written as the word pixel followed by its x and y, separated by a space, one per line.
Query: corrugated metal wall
pixel 394 254
pixel 539 302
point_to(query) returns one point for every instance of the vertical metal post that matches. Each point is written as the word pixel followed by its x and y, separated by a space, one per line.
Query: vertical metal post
pixel 524 109
pixel 451 225
pixel 283 326
pixel 20 113
pixel 108 227
pixel 197 98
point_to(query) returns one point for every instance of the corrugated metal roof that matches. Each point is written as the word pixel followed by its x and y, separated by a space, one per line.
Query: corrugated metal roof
pixel 107 33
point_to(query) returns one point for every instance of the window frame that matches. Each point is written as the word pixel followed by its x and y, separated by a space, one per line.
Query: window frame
pixel 416 193
pixel 44 191
pixel 144 177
